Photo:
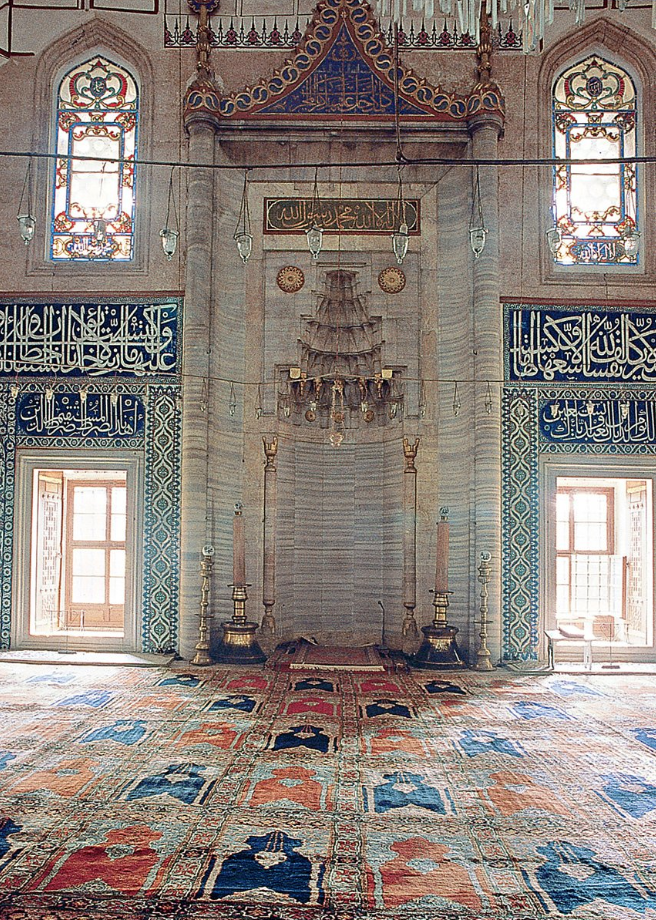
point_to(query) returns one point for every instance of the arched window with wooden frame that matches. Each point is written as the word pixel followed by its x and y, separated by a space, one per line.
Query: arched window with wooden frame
pixel 595 204
pixel 93 211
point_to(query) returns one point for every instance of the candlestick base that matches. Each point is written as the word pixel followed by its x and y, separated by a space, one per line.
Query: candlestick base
pixel 268 624
pixel 483 660
pixel 239 645
pixel 439 650
pixel 202 658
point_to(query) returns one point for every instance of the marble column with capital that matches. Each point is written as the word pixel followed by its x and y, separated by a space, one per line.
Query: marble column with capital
pixel 195 528
pixel 485 130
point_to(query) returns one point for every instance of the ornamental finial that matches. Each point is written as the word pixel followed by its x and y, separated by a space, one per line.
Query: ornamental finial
pixel 203 8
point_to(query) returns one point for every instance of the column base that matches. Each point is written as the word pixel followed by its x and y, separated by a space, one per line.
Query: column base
pixel 239 645
pixel 439 650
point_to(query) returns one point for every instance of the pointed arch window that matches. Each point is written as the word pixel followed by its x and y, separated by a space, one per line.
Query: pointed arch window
pixel 94 199
pixel 595 117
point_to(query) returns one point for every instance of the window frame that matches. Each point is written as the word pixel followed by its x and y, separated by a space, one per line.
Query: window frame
pixel 609 495
pixel 634 54
pixel 95 38
pixel 66 139
pixel 589 466
pixel 638 107
pixel 107 545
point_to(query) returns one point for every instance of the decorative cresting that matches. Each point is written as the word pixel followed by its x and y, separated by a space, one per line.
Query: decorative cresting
pixel 342 68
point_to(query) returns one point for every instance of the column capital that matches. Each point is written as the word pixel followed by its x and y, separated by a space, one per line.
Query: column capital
pixel 486 119
pixel 202 105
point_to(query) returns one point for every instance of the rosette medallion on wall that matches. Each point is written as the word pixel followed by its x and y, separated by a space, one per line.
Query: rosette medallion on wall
pixel 290 279
pixel 391 280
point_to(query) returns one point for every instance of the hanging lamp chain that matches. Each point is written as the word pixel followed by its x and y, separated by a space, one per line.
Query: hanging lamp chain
pixel 27 186
pixel 170 205
pixel 244 219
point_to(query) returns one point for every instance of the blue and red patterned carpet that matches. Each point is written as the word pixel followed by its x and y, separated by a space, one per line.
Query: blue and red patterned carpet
pixel 129 794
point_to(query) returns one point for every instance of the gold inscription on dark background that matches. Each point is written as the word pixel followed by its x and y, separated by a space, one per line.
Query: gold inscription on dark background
pixel 345 215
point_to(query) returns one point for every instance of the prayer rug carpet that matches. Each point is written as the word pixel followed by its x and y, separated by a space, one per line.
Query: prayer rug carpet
pixel 301 655
pixel 128 794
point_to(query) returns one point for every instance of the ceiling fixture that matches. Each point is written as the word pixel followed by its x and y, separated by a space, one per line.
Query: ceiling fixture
pixel 99 232
pixel 531 15
pixel 401 236
pixel 24 216
pixel 170 234
pixel 631 241
pixel 477 229
pixel 554 239
pixel 242 235
pixel 314 233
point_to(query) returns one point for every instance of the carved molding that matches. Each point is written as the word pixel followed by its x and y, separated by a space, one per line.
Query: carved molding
pixel 269 99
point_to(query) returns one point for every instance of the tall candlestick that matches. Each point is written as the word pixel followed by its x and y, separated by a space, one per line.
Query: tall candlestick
pixel 269 549
pixel 442 553
pixel 238 547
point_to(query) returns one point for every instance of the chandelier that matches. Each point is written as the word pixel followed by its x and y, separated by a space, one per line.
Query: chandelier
pixel 530 15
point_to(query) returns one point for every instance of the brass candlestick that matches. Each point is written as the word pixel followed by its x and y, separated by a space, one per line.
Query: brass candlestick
pixel 483 657
pixel 409 628
pixel 239 645
pixel 202 656
pixel 439 650
pixel 268 625
pixel 239 598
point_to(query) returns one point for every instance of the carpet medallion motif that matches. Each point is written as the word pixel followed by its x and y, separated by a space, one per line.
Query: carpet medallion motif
pixel 128 794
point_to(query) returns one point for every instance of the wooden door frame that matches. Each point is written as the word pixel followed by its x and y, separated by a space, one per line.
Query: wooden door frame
pixel 27 462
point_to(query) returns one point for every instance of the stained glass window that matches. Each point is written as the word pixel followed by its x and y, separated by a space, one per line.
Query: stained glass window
pixel 595 205
pixel 94 201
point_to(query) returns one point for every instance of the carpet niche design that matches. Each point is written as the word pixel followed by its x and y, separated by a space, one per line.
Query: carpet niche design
pixel 129 794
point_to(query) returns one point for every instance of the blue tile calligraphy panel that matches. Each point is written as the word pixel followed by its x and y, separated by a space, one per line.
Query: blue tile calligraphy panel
pixel 578 344
pixel 81 414
pixel 598 421
pixel 79 339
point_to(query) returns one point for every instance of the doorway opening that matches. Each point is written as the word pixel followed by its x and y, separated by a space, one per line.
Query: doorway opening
pixel 76 556
pixel 604 559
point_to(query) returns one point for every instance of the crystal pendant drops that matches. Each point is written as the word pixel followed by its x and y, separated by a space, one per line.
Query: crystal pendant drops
pixel 244 243
pixel 477 237
pixel 314 240
pixel 26 222
pixel 477 229
pixel 631 241
pixel 554 238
